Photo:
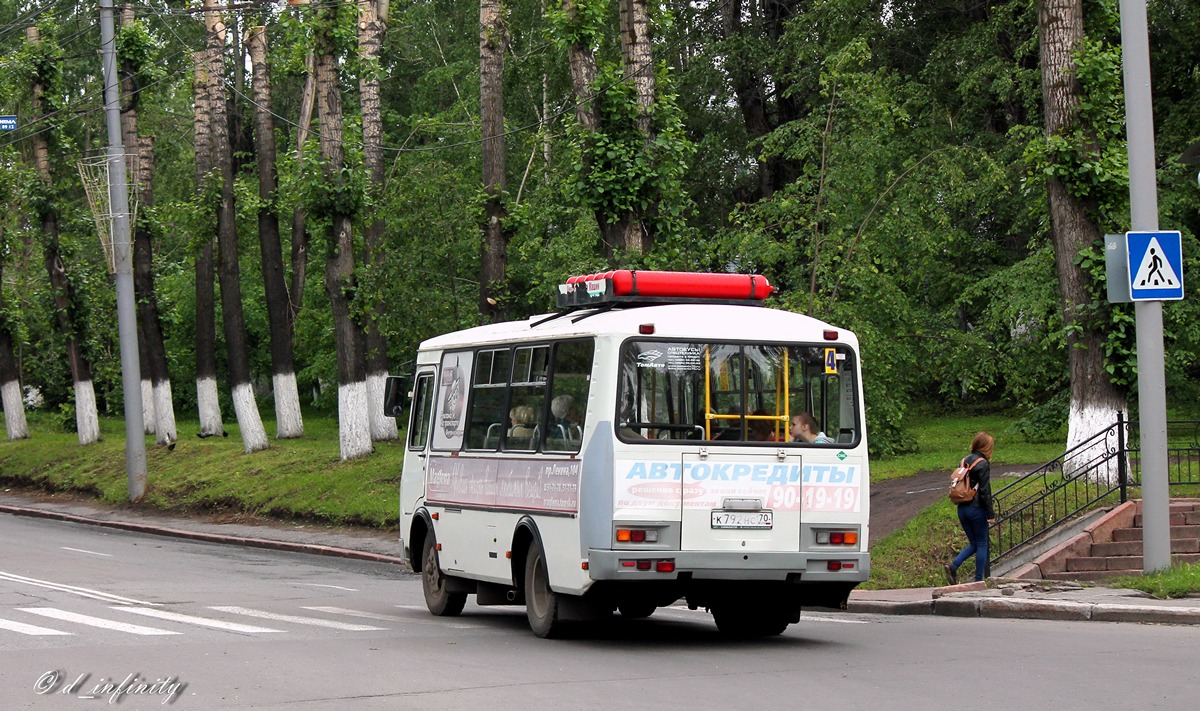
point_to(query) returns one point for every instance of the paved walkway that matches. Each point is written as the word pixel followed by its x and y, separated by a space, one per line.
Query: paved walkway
pixel 999 598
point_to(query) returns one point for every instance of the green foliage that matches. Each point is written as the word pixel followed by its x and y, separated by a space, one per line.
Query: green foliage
pixel 1180 580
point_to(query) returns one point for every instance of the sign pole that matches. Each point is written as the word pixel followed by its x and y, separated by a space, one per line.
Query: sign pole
pixel 1143 199
pixel 131 378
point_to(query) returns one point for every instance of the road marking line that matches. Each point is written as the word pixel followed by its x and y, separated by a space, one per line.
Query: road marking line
pixel 80 550
pixel 29 629
pixel 359 613
pixel 315 621
pixel 73 589
pixel 193 620
pixel 804 616
pixel 335 587
pixel 100 622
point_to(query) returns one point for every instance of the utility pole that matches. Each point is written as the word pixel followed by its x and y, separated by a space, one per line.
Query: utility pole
pixel 1143 204
pixel 118 193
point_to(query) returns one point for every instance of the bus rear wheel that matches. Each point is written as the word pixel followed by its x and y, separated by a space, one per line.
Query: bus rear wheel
pixel 736 621
pixel 541 603
pixel 438 599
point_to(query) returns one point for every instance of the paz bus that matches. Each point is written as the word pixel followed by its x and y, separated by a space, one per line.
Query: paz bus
pixel 634 450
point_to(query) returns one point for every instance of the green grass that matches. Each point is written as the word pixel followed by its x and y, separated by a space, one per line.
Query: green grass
pixel 1177 581
pixel 293 479
pixel 943 440
pixel 913 556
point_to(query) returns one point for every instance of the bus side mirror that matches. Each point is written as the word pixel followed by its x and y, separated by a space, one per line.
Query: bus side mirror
pixel 393 396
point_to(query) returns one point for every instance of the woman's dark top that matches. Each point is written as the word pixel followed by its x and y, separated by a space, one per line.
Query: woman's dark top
pixel 981 479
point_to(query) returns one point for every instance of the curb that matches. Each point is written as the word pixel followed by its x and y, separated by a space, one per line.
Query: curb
pixel 309 548
pixel 1031 609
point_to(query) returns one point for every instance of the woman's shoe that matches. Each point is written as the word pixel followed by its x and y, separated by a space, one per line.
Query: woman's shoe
pixel 951 575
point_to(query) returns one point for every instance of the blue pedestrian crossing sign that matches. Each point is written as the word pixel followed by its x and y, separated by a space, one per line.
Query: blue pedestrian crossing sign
pixel 1155 266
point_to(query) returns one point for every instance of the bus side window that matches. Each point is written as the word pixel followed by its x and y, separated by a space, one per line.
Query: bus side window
pixel 488 419
pixel 568 395
pixel 422 405
pixel 528 398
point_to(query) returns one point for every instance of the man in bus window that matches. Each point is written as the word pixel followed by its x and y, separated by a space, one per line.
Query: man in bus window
pixel 805 429
pixel 566 419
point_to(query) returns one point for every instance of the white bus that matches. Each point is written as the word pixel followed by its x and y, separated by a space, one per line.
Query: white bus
pixel 634 450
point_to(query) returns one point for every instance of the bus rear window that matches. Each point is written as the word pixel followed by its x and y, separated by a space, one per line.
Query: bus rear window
pixel 711 391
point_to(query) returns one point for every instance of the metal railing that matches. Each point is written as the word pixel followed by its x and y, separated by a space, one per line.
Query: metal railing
pixel 1095 472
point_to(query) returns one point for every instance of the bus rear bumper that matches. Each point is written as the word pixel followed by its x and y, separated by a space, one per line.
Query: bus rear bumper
pixel 851 567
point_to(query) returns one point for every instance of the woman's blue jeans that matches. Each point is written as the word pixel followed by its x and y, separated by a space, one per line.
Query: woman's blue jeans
pixel 975 525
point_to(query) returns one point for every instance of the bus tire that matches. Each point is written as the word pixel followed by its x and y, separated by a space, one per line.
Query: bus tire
pixel 637 610
pixel 735 621
pixel 438 599
pixel 541 603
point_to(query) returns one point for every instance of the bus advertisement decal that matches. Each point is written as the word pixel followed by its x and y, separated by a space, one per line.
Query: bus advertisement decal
pixel 541 485
pixel 785 487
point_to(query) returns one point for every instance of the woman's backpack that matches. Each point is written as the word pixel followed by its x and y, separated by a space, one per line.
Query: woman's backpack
pixel 961 490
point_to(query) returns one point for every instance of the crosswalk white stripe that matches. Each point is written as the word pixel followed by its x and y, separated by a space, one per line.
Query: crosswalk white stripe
pixel 73 589
pixel 29 629
pixel 390 618
pixel 193 620
pixel 359 613
pixel 90 621
pixel 315 621
pixel 80 550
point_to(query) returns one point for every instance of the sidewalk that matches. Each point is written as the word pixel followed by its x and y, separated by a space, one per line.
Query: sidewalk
pixel 1042 600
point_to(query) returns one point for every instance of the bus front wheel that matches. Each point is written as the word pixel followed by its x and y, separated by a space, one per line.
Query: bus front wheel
pixel 541 603
pixel 438 599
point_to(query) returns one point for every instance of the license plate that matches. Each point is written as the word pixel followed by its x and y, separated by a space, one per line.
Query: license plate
pixel 742 519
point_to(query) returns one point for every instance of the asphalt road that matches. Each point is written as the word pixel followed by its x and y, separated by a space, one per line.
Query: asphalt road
pixel 219 627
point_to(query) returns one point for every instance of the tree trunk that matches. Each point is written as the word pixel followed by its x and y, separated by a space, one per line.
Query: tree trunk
pixel 10 376
pixel 370 31
pixel 354 427
pixel 289 423
pixel 493 43
pixel 299 233
pixel 152 352
pixel 254 437
pixel 63 298
pixel 1094 400
pixel 206 329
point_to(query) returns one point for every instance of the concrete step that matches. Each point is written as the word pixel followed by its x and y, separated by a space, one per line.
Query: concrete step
pixel 1192 518
pixel 1122 562
pixel 1135 534
pixel 1086 575
pixel 1178 545
pixel 1178 518
pixel 1178 505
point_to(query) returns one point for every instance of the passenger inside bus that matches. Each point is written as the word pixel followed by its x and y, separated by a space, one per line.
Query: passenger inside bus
pixel 805 429
pixel 763 430
pixel 567 424
pixel 522 421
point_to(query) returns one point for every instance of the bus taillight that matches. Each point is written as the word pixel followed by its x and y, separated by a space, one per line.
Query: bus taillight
pixel 838 538
pixel 636 535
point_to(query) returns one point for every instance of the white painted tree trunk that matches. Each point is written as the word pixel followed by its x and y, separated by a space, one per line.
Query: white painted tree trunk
pixel 289 423
pixel 354 426
pixel 87 420
pixel 148 420
pixel 254 435
pixel 14 410
pixel 382 426
pixel 209 405
pixel 1085 421
pixel 164 413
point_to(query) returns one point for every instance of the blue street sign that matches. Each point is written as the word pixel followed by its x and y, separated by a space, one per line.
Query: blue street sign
pixel 1155 266
pixel 8 123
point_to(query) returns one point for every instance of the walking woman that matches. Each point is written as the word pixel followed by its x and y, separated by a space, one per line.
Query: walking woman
pixel 975 515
